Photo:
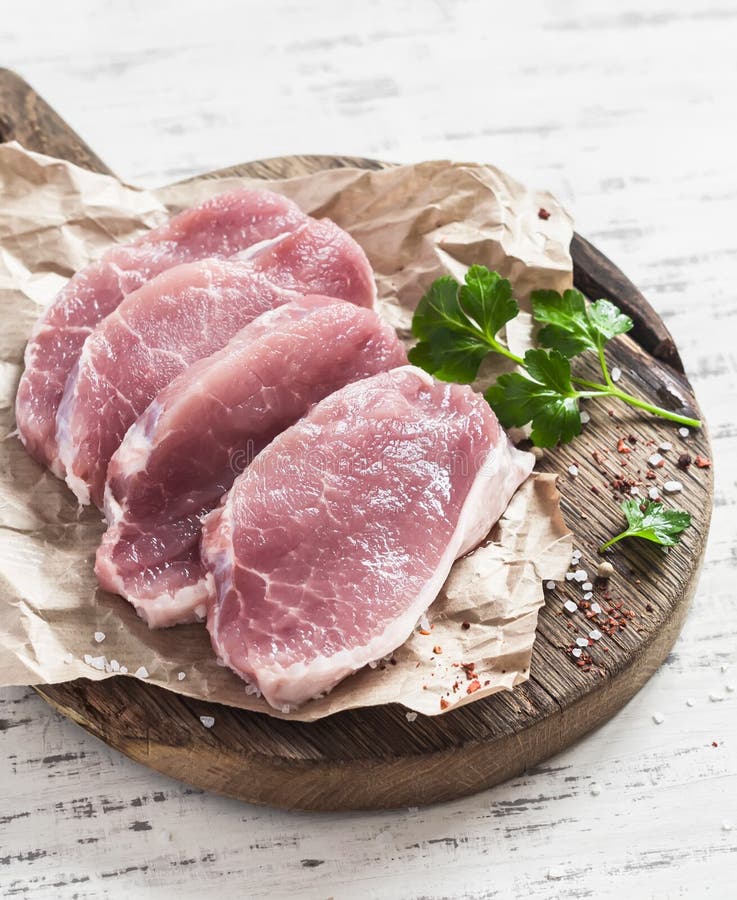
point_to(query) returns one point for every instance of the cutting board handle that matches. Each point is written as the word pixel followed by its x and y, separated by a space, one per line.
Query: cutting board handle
pixel 27 118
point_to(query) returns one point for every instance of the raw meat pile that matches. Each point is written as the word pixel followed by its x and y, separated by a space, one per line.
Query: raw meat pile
pixel 266 459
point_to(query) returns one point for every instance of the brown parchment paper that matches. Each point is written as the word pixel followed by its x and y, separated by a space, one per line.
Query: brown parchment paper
pixel 415 223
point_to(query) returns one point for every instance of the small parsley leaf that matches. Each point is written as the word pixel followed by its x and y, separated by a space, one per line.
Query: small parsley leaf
pixel 439 308
pixel 608 320
pixel 571 326
pixel 652 522
pixel 487 298
pixel 547 398
pixel 456 325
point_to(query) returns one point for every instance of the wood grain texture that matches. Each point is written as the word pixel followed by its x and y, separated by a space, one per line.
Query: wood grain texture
pixel 27 118
pixel 627 114
pixel 372 759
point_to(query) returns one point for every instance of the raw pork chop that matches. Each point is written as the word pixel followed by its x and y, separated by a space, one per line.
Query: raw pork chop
pixel 184 314
pixel 340 534
pixel 184 452
pixel 220 227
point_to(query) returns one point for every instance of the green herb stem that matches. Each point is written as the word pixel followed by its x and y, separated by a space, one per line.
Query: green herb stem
pixel 614 540
pixel 503 351
pixel 596 389
pixel 655 410
pixel 604 366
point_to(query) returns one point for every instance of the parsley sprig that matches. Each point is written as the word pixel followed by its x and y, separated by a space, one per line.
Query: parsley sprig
pixel 652 522
pixel 458 325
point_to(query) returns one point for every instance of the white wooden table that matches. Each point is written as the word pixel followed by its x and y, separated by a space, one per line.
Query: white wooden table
pixel 629 112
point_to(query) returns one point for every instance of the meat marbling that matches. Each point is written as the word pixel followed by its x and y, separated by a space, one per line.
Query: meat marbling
pixel 185 314
pixel 224 225
pixel 339 535
pixel 182 455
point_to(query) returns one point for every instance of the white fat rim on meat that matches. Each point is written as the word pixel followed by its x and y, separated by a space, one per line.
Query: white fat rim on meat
pixel 487 499
pixel 188 604
pixel 248 253
pixel 135 449
pixel 64 442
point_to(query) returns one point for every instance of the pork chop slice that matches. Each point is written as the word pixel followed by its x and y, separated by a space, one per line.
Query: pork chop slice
pixel 185 314
pixel 336 539
pixel 184 452
pixel 223 225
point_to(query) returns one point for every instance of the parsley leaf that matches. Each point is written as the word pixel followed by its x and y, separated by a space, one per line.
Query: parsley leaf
pixel 651 522
pixel 487 298
pixel 571 327
pixel 457 324
pixel 543 396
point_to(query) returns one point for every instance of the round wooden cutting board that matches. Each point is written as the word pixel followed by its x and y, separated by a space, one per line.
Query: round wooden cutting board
pixel 374 758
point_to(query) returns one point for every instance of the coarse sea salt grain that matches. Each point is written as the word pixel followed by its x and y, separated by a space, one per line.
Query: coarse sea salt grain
pixel 635 491
pixel 595 790
pixel 595 608
pixel 595 635
pixel 587 586
pixel 716 698
pixel 672 487
pixel 658 718
pixel 729 688
pixel 141 672
pixel 550 585
pixel 99 636
pixel 573 471
pixel 582 642
pixel 616 373
pixel 588 595
pixel 581 575
pixel 684 432
pixel 286 709
pixel 690 702
pixel 181 676
pixel 665 446
pixel 653 493
pixel 576 652
pixel 410 716
pixel 124 670
pixel 207 721
pixel 655 460
pixel 97 662
pixel 68 659
pixel 114 665
pixel 727 825
pixel 570 606
pixel 585 417
pixel 556 873
pixel 570 576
